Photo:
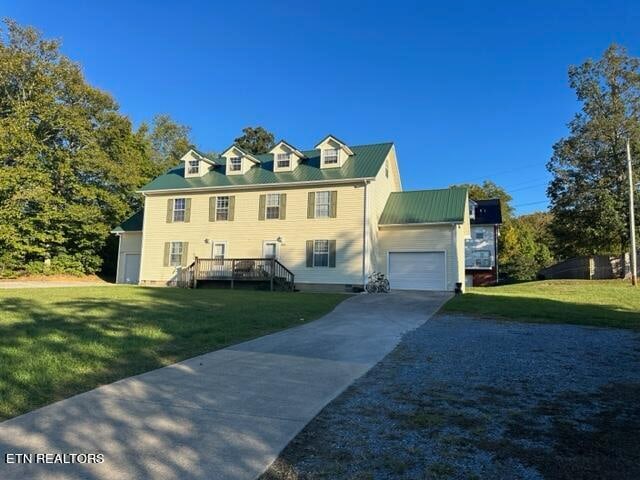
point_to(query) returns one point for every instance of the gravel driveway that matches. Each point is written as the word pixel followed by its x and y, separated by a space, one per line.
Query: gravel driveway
pixel 469 399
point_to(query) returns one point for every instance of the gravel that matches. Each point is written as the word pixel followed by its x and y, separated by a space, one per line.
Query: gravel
pixel 469 398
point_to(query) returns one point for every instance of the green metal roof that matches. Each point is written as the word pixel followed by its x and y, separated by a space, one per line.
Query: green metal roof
pixel 364 163
pixel 425 206
pixel 131 224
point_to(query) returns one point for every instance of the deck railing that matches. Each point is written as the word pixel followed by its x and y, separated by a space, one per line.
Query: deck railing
pixel 243 269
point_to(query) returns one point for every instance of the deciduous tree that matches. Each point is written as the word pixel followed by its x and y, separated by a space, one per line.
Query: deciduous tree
pixel 255 140
pixel 588 193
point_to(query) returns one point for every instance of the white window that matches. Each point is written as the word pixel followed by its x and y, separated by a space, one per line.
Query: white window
pixel 222 208
pixel 283 160
pixel 273 205
pixel 330 156
pixel 219 250
pixel 179 205
pixel 321 253
pixel 194 167
pixel 472 210
pixel 322 204
pixel 479 234
pixel 482 258
pixel 235 164
pixel 175 254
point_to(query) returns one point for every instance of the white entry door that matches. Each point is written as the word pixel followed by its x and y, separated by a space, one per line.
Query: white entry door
pixel 417 270
pixel 131 267
pixel 270 249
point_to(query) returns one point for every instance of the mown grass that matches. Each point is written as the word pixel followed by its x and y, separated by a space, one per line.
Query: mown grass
pixel 602 303
pixel 58 342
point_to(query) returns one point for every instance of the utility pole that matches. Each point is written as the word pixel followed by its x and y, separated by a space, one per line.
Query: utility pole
pixel 632 221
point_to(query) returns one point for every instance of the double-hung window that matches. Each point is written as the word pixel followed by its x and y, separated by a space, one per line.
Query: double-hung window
pixel 273 206
pixel 321 253
pixel 323 200
pixel 479 234
pixel 330 156
pixel 194 167
pixel 482 258
pixel 219 250
pixel 283 160
pixel 179 207
pixel 222 208
pixel 235 164
pixel 175 254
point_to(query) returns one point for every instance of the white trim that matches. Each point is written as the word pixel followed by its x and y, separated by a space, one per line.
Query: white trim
pixel 219 242
pixel 293 149
pixel 344 146
pixel 402 250
pixel 144 224
pixel 118 263
pixel 259 186
pixel 365 234
pixel 277 244
pixel 197 156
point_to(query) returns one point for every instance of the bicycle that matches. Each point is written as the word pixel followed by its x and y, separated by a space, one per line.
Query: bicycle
pixel 377 283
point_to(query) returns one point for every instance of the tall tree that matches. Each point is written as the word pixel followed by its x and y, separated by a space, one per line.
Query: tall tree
pixel 168 141
pixel 255 140
pixel 588 192
pixel 488 190
pixel 69 162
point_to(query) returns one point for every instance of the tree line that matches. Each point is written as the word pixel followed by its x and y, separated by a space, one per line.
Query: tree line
pixel 71 162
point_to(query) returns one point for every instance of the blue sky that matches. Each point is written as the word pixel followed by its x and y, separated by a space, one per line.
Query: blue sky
pixel 467 90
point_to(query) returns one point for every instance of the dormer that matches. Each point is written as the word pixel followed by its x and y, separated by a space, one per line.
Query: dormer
pixel 286 158
pixel 238 162
pixel 196 164
pixel 333 152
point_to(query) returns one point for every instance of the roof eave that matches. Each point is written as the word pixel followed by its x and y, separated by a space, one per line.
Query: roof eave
pixel 253 186
pixel 420 224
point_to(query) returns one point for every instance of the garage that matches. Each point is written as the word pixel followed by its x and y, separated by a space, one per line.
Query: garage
pixel 417 270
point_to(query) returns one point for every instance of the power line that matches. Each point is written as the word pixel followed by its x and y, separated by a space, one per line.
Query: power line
pixel 530 203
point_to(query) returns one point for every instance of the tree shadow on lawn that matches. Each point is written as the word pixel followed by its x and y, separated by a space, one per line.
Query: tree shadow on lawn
pixel 50 350
pixel 542 310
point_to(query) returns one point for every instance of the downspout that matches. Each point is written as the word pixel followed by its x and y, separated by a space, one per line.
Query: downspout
pixel 144 223
pixel 119 235
pixel 365 233
pixel 496 234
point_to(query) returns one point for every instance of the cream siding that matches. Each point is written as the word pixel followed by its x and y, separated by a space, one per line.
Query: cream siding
pixel 379 192
pixel 130 243
pixel 245 234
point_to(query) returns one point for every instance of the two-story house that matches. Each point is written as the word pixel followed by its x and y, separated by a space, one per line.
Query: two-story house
pixel 331 215
pixel 481 249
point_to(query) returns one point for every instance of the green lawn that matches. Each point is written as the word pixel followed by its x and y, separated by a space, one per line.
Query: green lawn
pixel 603 303
pixel 57 342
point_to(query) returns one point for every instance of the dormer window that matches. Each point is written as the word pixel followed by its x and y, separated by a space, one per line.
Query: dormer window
pixel 235 164
pixel 193 167
pixel 330 156
pixel 283 160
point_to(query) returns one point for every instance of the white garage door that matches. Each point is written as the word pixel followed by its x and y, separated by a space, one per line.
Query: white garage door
pixel 417 270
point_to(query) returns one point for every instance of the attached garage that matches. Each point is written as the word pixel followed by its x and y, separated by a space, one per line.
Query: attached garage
pixel 421 239
pixel 418 270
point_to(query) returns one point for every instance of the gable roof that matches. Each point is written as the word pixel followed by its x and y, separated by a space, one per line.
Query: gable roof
pixel 446 205
pixel 488 212
pixel 337 140
pixel 251 157
pixel 365 162
pixel 291 147
pixel 131 224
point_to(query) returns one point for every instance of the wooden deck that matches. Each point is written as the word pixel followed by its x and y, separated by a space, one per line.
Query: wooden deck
pixel 235 270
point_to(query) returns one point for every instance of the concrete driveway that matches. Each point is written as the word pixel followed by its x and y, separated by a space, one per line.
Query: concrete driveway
pixel 223 415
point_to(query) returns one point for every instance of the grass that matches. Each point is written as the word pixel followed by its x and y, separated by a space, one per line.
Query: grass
pixel 602 303
pixel 58 342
